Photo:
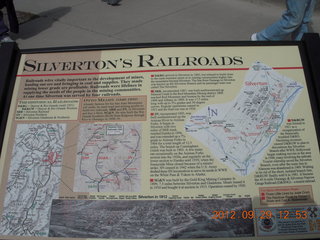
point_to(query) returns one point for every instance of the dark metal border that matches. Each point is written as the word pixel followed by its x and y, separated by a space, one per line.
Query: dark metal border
pixel 310 57
pixel 9 57
pixel 158 45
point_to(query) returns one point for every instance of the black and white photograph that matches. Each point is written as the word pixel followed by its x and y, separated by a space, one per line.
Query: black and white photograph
pixel 150 219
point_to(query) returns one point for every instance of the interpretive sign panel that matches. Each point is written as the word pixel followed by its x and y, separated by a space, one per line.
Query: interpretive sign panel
pixel 161 142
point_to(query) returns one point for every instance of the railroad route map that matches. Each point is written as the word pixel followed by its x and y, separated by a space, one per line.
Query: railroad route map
pixel 108 158
pixel 33 180
pixel 239 132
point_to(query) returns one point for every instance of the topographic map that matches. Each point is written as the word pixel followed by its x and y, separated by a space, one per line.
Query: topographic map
pixel 108 158
pixel 33 180
pixel 239 132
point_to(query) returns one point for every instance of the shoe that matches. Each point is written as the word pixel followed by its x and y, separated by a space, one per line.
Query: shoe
pixel 254 37
pixel 6 39
pixel 113 2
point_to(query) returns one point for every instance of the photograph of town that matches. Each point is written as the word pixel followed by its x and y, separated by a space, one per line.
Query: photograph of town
pixel 149 219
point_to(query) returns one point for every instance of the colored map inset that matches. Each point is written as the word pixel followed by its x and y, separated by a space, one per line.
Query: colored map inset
pixel 33 180
pixel 239 132
pixel 108 158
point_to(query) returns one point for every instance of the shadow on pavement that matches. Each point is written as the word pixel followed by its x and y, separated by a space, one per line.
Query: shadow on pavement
pixel 43 21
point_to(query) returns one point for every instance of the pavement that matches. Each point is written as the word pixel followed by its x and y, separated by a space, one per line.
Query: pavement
pixel 61 23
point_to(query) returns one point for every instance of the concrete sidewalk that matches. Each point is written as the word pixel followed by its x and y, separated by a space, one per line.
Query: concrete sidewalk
pixel 91 22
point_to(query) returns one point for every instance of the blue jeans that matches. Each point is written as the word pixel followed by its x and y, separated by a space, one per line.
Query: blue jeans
pixel 293 21
pixel 3 28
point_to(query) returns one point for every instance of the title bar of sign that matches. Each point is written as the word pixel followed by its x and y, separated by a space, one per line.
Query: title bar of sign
pixel 32 65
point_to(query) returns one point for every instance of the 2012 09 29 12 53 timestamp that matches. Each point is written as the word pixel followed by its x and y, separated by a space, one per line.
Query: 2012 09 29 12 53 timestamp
pixel 261 214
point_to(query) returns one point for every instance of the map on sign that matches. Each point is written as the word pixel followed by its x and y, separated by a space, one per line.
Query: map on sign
pixel 239 132
pixel 33 180
pixel 108 158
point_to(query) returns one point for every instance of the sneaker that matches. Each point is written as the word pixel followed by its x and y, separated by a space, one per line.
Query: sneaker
pixel 6 39
pixel 254 37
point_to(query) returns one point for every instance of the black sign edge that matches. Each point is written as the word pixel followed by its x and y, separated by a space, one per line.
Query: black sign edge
pixel 310 57
pixel 9 63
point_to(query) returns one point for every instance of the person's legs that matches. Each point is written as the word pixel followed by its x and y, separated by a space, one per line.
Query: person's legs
pixel 290 20
pixel 303 28
pixel 3 28
pixel 4 31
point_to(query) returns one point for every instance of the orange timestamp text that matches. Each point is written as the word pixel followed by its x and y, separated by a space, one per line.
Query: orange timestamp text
pixel 261 214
